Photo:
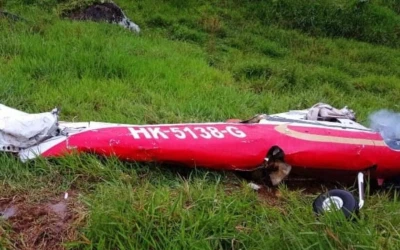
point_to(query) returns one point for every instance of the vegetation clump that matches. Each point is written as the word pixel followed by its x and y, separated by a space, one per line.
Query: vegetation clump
pixel 195 61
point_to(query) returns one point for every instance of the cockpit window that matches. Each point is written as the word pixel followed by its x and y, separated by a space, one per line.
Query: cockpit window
pixel 393 143
pixel 389 136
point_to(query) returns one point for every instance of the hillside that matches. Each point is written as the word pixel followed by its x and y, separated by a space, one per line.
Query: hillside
pixel 193 61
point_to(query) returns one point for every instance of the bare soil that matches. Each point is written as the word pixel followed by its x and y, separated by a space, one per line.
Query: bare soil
pixel 41 225
pixel 97 12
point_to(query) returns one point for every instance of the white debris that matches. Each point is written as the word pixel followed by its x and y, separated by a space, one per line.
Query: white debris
pixel 65 196
pixel 20 130
pixel 126 23
pixel 254 186
pixel 326 112
pixel 8 213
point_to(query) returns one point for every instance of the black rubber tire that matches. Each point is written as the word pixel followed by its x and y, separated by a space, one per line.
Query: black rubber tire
pixel 350 204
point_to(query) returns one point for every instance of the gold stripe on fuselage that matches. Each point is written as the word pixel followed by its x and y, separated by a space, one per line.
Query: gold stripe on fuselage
pixel 283 129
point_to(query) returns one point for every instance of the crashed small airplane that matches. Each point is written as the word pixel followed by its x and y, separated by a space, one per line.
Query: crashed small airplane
pixel 321 141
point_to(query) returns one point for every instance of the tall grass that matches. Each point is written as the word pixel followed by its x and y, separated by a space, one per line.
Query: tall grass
pixel 362 20
pixel 139 207
pixel 209 62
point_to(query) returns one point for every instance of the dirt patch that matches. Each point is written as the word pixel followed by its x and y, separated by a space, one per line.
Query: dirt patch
pixel 271 195
pixel 314 187
pixel 97 12
pixel 41 225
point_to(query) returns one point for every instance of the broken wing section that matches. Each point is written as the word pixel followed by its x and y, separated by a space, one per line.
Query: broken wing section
pixel 19 130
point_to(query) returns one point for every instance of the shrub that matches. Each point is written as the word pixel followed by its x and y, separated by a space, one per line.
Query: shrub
pixel 361 20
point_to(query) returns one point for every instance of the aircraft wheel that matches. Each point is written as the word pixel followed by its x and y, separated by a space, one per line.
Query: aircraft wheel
pixel 336 199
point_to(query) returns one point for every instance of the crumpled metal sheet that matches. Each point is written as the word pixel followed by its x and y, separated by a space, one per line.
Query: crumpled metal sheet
pixel 21 130
pixel 326 112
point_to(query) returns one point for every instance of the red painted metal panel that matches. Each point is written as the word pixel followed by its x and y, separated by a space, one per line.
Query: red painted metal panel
pixel 238 146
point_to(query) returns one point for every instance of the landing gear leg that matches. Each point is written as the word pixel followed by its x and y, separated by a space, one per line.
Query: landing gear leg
pixel 361 190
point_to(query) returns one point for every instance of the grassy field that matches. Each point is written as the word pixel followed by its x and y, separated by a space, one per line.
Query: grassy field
pixel 194 61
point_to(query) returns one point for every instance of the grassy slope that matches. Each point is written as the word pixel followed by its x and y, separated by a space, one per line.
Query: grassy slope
pixel 209 62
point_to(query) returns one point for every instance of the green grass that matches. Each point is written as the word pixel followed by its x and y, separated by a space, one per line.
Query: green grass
pixel 194 61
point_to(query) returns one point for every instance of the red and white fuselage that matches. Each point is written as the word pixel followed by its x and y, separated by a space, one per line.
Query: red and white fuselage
pixel 307 145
